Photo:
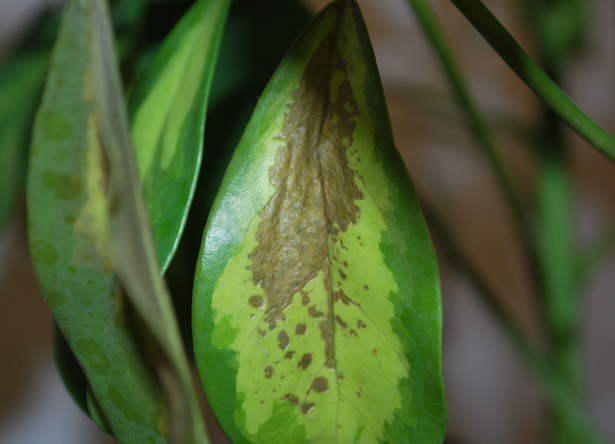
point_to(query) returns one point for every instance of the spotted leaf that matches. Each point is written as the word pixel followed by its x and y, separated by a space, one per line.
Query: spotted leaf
pixel 92 247
pixel 317 313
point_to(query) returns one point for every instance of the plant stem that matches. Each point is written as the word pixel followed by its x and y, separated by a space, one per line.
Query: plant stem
pixel 556 228
pixel 478 124
pixel 561 399
pixel 529 71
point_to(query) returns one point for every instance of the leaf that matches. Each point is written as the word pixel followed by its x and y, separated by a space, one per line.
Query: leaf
pixel 317 313
pixel 167 108
pixel 21 80
pixel 84 201
pixel 202 48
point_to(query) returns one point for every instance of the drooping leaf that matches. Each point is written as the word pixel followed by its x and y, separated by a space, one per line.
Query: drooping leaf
pixel 90 238
pixel 204 46
pixel 21 80
pixel 168 119
pixel 317 313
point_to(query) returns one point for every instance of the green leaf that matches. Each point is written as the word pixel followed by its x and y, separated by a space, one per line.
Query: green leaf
pixel 90 238
pixel 21 81
pixel 73 377
pixel 167 108
pixel 526 68
pixel 317 313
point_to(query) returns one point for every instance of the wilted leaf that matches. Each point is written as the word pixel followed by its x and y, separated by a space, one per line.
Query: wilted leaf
pixel 317 313
pixel 168 119
pixel 87 225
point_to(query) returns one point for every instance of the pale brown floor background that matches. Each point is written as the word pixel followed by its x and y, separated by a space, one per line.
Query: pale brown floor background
pixel 491 397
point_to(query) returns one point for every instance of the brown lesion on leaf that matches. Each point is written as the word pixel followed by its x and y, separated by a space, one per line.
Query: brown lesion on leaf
pixel 315 313
pixel 283 340
pixel 320 385
pixel 306 407
pixel 294 400
pixel 301 329
pixel 256 301
pixel 268 372
pixel 340 322
pixel 305 361
pixel 315 194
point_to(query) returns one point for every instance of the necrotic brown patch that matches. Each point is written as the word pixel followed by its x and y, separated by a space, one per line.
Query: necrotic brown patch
pixel 256 301
pixel 306 407
pixel 320 385
pixel 313 311
pixel 292 399
pixel 268 372
pixel 340 322
pixel 315 193
pixel 305 361
pixel 283 340
pixel 301 329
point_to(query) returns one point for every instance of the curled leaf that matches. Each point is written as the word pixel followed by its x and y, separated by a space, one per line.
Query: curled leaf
pixel 90 239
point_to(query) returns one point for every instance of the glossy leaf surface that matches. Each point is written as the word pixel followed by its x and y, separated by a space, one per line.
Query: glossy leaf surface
pixel 84 201
pixel 317 313
pixel 167 108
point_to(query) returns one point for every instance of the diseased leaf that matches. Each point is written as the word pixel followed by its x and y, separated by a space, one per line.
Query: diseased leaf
pixel 203 48
pixel 167 108
pixel 90 238
pixel 317 314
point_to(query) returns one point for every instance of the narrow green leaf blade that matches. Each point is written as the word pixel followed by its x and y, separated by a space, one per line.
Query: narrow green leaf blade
pixel 167 109
pixel 82 175
pixel 317 313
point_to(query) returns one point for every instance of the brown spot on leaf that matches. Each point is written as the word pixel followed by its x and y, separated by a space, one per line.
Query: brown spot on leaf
pixel 320 385
pixel 353 333
pixel 261 332
pixel 346 264
pixel 305 298
pixel 289 355
pixel 305 361
pixel 306 407
pixel 360 324
pixel 301 329
pixel 343 275
pixel 283 340
pixel 365 287
pixel 341 322
pixel 256 301
pixel 326 331
pixel 341 296
pixel 292 399
pixel 268 372
pixel 313 311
